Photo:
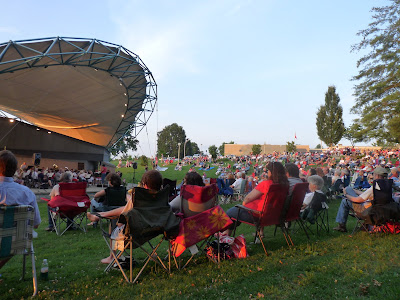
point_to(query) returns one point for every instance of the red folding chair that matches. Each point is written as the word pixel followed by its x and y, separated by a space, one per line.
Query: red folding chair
pixel 295 201
pixel 201 218
pixel 270 213
pixel 69 207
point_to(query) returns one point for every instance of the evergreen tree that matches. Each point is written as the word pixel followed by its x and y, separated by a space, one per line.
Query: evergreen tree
pixel 330 126
pixel 378 92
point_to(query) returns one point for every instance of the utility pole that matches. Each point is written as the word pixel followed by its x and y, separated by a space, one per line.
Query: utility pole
pixel 179 150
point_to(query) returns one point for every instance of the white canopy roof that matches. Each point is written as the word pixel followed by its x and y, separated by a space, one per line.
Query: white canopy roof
pixel 86 89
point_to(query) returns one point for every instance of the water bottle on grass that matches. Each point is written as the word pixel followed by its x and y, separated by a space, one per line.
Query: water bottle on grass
pixel 44 270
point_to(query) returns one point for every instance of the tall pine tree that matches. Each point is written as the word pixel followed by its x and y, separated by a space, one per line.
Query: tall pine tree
pixel 330 125
pixel 378 90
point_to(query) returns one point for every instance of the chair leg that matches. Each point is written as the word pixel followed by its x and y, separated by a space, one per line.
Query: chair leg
pixel 23 265
pixel 34 278
pixel 286 234
pixel 262 243
pixel 301 224
pixel 235 225
pixel 130 263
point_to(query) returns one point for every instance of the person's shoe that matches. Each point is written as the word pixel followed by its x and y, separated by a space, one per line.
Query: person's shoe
pixel 50 228
pixel 341 228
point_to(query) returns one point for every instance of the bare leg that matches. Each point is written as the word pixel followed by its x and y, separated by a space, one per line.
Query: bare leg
pixel 107 260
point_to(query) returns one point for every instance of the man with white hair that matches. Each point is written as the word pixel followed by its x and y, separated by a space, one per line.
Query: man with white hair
pixel 238 182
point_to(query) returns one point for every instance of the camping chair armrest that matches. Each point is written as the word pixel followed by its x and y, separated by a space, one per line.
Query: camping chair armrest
pixel 107 218
pixel 347 199
pixel 248 209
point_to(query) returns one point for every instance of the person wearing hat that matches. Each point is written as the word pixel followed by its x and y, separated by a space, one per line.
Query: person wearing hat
pixel 358 200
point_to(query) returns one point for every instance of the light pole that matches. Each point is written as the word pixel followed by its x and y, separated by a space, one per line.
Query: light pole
pixel 179 150
pixel 184 148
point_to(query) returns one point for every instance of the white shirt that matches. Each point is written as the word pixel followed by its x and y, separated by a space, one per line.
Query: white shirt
pixel 309 196
pixel 236 185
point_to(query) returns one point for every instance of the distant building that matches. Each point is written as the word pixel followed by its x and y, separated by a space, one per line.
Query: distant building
pixel 245 149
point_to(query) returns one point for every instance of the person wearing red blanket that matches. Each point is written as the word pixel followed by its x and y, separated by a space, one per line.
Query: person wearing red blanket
pixel 255 199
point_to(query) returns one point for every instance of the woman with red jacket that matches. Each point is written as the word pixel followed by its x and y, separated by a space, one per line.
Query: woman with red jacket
pixel 255 199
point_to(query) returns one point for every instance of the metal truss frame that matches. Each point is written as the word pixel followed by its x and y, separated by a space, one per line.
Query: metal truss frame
pixel 101 56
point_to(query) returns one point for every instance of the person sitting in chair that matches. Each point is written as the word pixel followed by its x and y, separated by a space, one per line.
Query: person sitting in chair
pixel 394 174
pixel 12 193
pixel 357 197
pixel 98 202
pixel 65 177
pixel 255 199
pixel 151 180
pixel 293 175
pixel 238 182
pixel 191 178
pixel 316 183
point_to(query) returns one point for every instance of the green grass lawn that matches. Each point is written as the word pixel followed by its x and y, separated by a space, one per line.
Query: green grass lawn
pixel 332 266
pixel 170 173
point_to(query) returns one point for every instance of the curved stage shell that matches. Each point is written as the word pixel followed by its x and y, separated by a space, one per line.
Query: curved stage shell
pixel 86 89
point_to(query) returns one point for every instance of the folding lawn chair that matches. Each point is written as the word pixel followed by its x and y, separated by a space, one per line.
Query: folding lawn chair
pixel 239 195
pixel 270 213
pixel 69 207
pixel 202 218
pixel 291 211
pixel 382 210
pixel 150 217
pixel 16 225
pixel 316 214
pixel 115 197
pixel 172 187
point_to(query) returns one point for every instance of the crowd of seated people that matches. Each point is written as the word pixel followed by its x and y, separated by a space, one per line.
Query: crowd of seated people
pixel 36 177
pixel 323 171
pixel 331 166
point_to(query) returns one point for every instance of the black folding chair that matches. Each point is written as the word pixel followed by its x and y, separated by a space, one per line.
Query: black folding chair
pixel 150 218
pixel 317 214
pixel 382 210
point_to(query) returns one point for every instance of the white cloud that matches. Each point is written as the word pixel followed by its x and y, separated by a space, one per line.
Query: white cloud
pixel 165 45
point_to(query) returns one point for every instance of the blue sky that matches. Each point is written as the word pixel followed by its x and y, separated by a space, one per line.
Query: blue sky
pixel 227 70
